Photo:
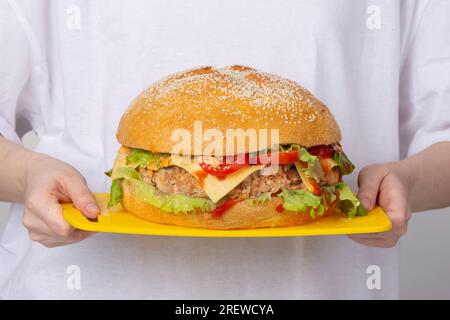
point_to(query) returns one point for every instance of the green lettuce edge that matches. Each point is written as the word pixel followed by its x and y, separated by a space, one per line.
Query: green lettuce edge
pixel 175 203
pixel 302 200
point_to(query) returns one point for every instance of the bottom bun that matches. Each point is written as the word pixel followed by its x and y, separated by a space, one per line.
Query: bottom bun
pixel 241 216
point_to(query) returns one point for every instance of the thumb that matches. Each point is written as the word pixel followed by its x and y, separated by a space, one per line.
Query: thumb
pixel 369 181
pixel 81 196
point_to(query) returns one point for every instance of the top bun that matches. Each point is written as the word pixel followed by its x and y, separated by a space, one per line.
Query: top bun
pixel 228 98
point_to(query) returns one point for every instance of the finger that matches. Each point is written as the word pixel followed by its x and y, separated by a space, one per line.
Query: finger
pixel 395 232
pixel 33 223
pixel 381 235
pixel 36 236
pixel 46 207
pixel 81 196
pixel 38 229
pixel 377 235
pixel 45 223
pixel 51 242
pixel 39 232
pixel 378 243
pixel 369 181
pixel 394 201
pixel 76 236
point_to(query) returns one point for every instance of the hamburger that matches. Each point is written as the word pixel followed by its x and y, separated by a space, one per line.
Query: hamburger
pixel 294 179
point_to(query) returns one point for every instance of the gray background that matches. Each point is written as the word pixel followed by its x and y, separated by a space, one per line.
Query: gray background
pixel 424 251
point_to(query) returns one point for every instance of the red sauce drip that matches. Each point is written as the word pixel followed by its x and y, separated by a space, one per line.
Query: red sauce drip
pixel 279 208
pixel 332 205
pixel 315 189
pixel 326 168
pixel 220 210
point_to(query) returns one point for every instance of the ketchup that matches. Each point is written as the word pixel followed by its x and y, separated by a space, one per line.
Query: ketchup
pixel 326 167
pixel 221 170
pixel 315 188
pixel 220 210
pixel 201 175
pixel 279 208
pixel 321 151
pixel 332 205
pixel 232 164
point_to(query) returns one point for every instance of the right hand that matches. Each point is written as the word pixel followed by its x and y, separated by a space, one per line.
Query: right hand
pixel 48 182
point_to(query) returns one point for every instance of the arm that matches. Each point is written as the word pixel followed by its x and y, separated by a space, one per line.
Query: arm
pixel 13 170
pixel 42 182
pixel 420 182
pixel 426 177
pixel 37 180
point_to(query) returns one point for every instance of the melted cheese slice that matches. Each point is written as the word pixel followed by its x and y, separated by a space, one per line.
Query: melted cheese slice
pixel 216 188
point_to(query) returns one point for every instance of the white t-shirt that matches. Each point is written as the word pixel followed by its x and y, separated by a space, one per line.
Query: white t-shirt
pixel 72 67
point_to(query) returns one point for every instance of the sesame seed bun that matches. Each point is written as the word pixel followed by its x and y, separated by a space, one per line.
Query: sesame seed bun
pixel 234 97
pixel 240 216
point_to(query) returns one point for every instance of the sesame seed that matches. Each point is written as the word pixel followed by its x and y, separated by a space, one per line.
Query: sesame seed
pixel 268 95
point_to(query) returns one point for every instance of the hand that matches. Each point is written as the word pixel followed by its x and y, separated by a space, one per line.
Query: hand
pixel 382 185
pixel 48 182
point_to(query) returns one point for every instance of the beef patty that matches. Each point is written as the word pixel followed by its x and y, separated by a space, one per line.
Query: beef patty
pixel 179 181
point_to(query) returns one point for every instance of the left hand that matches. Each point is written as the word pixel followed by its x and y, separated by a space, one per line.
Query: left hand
pixel 382 185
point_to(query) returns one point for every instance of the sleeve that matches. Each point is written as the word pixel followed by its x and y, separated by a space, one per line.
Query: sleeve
pixel 424 91
pixel 14 73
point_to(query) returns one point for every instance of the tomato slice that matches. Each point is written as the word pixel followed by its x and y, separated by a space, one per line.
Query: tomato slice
pixel 222 169
pixel 321 151
pixel 284 157
pixel 230 165
pixel 220 210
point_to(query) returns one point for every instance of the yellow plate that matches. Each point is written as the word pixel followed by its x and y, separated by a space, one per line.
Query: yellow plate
pixel 120 221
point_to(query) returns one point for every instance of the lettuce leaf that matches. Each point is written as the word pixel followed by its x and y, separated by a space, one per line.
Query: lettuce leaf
pixel 170 202
pixel 348 202
pixel 313 168
pixel 145 159
pixel 301 200
pixel 361 211
pixel 345 165
pixel 115 194
pixel 305 156
pixel 125 172
pixel 320 210
pixel 166 202
pixel 263 197
pixel 341 159
pixel 328 194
